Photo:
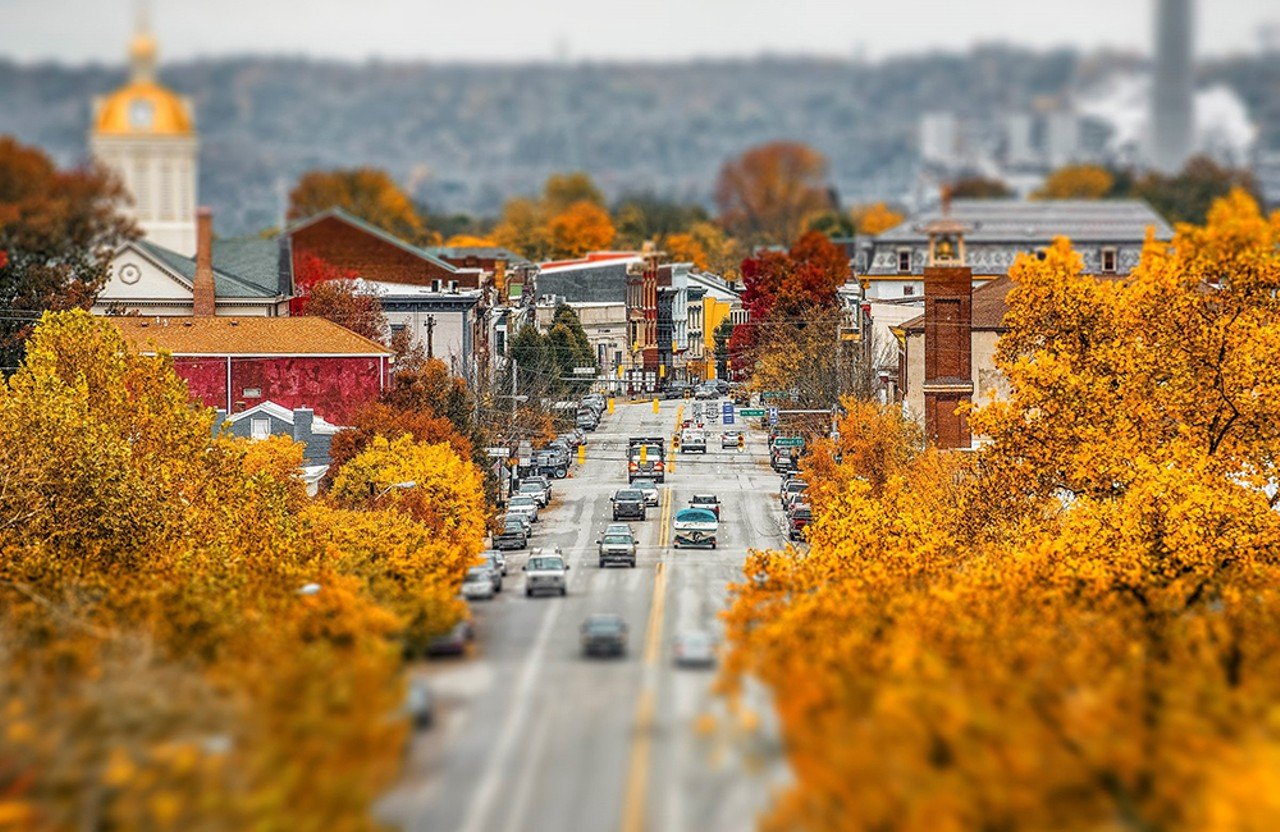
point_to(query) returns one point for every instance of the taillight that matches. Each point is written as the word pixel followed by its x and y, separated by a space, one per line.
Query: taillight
pixel 657 466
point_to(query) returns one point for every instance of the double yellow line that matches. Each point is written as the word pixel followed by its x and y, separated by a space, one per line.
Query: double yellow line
pixel 633 804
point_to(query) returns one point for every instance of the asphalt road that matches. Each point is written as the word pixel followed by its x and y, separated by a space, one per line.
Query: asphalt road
pixel 532 736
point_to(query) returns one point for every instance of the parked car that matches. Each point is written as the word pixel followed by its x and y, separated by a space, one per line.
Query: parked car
pixel 706 390
pixel 454 642
pixel 799 517
pixel 617 547
pixel 596 402
pixel 648 488
pixel 604 634
pixel 696 527
pixel 790 489
pixel 498 562
pixel 552 461
pixel 694 648
pixel 708 501
pixel 628 503
pixel 419 704
pixel 478 585
pixel 587 419
pixel 521 518
pixel 514 535
pixel 546 571
pixel 677 390
pixel 535 489
pixel 573 439
pixel 730 438
pixel 523 504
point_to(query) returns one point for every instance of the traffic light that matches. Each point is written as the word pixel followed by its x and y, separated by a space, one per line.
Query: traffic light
pixel 742 441
pixel 675 442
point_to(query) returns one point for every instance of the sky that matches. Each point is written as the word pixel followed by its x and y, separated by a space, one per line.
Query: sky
pixel 79 31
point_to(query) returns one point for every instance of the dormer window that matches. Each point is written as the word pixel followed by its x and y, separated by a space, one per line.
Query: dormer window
pixel 904 261
pixel 1108 261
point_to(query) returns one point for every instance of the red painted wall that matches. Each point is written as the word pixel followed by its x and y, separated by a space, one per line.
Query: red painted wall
pixel 334 387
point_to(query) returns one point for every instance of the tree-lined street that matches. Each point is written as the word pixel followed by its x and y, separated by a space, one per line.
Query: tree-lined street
pixel 531 735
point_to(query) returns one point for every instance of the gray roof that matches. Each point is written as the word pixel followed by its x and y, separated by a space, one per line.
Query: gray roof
pixel 1017 221
pixel 243 267
pixel 605 282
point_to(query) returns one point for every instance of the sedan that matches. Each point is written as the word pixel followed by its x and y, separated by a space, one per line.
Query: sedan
pixel 532 488
pixel 694 648
pixel 514 535
pixel 524 504
pixel 730 439
pixel 648 488
pixel 478 585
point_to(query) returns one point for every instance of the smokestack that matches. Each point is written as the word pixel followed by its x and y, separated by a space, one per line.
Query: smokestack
pixel 203 291
pixel 1173 94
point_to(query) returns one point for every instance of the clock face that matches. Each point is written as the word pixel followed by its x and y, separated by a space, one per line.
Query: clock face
pixel 141 114
pixel 130 273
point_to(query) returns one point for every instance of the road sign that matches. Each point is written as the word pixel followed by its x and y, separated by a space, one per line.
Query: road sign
pixel 498 453
pixel 750 412
pixel 727 416
pixel 584 371
pixel 773 394
pixel 789 442
pixel 773 415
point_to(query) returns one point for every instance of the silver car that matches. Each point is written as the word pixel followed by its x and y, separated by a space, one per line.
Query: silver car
pixel 649 488
pixel 618 546
pixel 478 585
pixel 498 563
pixel 536 490
pixel 546 571
pixel 524 504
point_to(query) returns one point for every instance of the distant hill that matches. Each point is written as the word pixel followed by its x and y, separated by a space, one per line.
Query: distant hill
pixel 464 137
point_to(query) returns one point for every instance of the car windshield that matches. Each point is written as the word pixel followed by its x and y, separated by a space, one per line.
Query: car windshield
pixel 513 527
pixel 521 501
pixel 617 538
pixel 546 563
pixel 705 498
pixel 694 640
pixel 478 573
pixel 803 514
pixel 604 625
pixel 644 485
pixel 624 496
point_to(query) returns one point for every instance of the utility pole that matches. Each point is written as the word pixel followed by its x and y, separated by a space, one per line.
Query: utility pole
pixel 431 328
pixel 515 374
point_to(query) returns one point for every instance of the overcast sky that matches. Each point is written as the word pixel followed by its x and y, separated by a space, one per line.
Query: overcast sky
pixel 76 31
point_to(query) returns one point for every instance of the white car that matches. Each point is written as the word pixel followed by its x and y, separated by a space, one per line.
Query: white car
pixel 648 488
pixel 478 584
pixel 524 504
pixel 546 571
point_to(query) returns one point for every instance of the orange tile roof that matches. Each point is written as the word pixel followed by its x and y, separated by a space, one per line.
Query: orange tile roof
pixel 245 336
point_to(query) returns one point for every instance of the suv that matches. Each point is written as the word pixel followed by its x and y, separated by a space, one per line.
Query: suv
pixel 514 535
pixel 628 503
pixel 617 546
pixel 545 572
pixel 799 517
pixel 708 501
pixel 604 634
pixel 693 440
pixel 532 488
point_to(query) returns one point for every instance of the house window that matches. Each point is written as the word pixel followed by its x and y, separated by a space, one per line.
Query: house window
pixel 397 328
pixel 1109 261
pixel 909 289
pixel 252 393
pixel 259 428
pixel 904 261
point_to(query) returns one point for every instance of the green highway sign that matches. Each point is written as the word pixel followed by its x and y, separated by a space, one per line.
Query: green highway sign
pixel 748 412
pixel 773 394
pixel 789 442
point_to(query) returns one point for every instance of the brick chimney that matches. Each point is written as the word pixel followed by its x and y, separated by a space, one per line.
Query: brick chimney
pixel 203 292
pixel 948 354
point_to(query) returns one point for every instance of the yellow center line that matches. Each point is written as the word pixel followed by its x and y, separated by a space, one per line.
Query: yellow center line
pixel 633 804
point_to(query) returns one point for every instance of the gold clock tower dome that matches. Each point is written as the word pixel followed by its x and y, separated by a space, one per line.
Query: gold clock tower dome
pixel 145 132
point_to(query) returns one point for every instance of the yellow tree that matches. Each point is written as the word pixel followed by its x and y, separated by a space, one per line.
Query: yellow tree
pixel 1077 626
pixel 1077 182
pixel 582 227
pixel 766 194
pixel 875 218
pixel 368 193
pixel 521 229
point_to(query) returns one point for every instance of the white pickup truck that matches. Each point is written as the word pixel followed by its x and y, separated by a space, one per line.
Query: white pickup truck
pixel 546 571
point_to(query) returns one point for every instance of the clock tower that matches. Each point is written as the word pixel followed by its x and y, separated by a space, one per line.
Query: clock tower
pixel 146 134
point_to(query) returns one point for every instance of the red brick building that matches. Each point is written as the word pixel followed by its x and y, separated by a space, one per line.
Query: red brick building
pixel 233 364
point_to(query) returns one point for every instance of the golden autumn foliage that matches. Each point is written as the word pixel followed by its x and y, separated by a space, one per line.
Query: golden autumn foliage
pixel 766 194
pixel 582 227
pixel 469 241
pixel 1077 182
pixel 159 668
pixel 876 218
pixel 368 193
pixel 1077 627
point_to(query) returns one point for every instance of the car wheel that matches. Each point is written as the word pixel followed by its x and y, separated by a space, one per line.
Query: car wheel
pixel 528 593
pixel 561 473
pixel 713 544
pixel 602 564
pixel 563 592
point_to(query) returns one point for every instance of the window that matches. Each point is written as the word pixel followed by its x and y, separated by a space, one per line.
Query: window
pixel 1109 261
pixel 252 393
pixel 909 289
pixel 904 261
pixel 260 428
pixel 397 328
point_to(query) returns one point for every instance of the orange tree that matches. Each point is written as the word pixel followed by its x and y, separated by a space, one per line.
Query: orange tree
pixel 1077 626
pixel 159 667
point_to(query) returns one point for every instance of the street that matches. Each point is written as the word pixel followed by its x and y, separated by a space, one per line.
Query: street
pixel 530 735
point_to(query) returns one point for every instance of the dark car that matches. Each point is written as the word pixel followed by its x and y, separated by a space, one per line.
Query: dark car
pixel 454 642
pixel 799 517
pixel 677 390
pixel 628 504
pixel 512 536
pixel 604 634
